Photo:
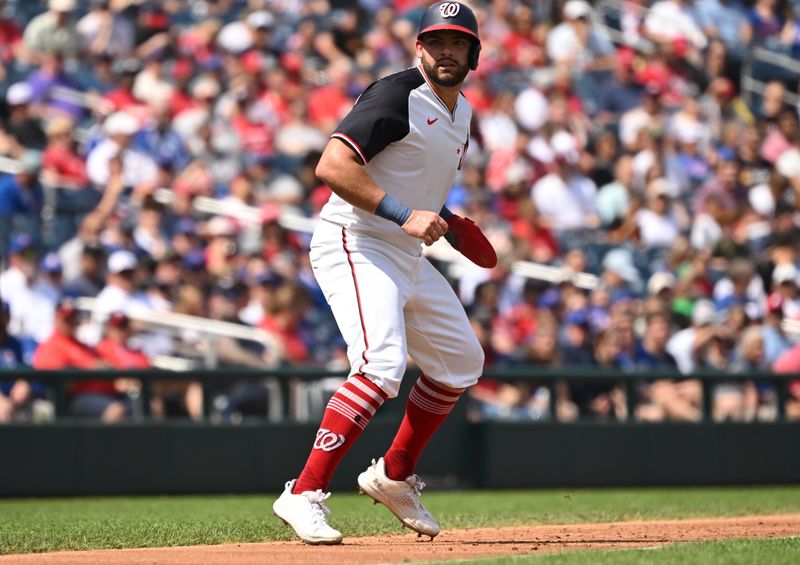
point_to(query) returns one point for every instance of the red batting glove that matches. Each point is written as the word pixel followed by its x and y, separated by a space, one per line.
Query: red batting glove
pixel 468 239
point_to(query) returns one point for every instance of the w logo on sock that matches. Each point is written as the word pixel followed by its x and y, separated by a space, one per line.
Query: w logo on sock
pixel 328 440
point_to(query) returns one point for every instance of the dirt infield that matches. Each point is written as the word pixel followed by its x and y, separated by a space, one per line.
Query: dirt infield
pixel 454 544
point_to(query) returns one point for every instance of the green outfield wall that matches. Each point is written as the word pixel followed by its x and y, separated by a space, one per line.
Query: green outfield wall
pixel 69 457
pixel 75 459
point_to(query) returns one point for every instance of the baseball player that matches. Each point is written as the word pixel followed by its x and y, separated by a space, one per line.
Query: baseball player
pixel 390 164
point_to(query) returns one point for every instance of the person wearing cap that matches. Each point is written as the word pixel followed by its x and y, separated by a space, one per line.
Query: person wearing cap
pixel 688 346
pixel 116 350
pixel 577 42
pixel 104 32
pixel 61 163
pixel 87 399
pixel 785 294
pixel 159 139
pixel 137 167
pixel 89 279
pixel 122 98
pixel 31 310
pixel 14 395
pixel 391 163
pixel 223 253
pixel 621 93
pixel 565 198
pixel 664 218
pixel 50 281
pixel 22 122
pixel 21 197
pixel 117 295
pixel 648 116
pixel 741 287
pixel 619 271
pixel 725 183
pixel 788 363
pixel 574 341
pixel 52 31
pixel 669 20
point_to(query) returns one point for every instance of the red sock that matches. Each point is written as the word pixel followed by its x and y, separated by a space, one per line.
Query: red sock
pixel 428 406
pixel 348 412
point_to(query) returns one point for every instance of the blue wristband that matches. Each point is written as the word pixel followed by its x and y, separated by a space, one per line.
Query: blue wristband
pixel 393 210
pixel 446 213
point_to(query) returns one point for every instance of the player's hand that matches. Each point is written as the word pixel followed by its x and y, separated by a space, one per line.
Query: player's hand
pixel 425 225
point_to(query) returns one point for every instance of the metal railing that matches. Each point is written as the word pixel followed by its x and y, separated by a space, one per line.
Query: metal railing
pixel 205 327
pixel 550 378
pixel 751 85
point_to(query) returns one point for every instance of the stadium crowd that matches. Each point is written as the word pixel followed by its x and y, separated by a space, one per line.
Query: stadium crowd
pixel 613 139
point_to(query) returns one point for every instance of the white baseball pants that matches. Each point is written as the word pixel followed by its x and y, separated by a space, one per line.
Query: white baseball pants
pixel 390 304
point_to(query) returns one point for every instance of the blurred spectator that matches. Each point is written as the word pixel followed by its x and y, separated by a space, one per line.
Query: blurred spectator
pixel 117 294
pixel 15 394
pixel 660 222
pixel 31 310
pixel 725 19
pixel 22 123
pixel 87 399
pixel 577 42
pixel 789 364
pixel 688 346
pixel 137 167
pixel 21 197
pixel 90 278
pixel 565 197
pixel 52 31
pixel 104 31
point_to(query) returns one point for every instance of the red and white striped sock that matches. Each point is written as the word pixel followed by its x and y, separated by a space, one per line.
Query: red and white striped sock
pixel 348 412
pixel 428 406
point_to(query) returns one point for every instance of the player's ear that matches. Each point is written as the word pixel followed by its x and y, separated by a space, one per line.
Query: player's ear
pixel 418 49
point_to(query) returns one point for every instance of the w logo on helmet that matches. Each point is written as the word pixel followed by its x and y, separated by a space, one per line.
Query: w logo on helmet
pixel 328 440
pixel 449 9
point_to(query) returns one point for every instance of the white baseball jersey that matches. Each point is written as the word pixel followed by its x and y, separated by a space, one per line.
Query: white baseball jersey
pixel 411 145
pixel 387 298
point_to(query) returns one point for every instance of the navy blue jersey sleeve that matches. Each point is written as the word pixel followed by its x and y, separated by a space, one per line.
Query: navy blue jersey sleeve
pixel 380 115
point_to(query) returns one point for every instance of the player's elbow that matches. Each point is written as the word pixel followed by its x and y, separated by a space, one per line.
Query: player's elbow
pixel 324 170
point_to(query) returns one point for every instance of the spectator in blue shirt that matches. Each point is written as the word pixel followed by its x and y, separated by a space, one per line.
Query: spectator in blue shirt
pixel 725 20
pixel 20 199
pixel 621 92
pixel 161 142
pixel 13 394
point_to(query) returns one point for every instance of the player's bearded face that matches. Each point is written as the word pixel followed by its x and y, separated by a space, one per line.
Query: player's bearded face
pixel 446 72
pixel 444 57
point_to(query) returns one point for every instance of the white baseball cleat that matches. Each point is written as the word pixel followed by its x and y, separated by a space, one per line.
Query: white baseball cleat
pixel 305 513
pixel 400 497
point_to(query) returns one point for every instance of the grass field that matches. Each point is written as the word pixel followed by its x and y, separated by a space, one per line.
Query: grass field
pixel 35 525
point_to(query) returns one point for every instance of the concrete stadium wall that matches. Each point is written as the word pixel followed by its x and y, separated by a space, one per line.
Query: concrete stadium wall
pixel 85 459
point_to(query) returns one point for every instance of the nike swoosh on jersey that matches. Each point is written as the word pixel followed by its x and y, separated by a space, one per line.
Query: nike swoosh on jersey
pixel 432 121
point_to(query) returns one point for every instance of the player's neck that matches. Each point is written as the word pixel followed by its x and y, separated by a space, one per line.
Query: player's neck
pixel 448 94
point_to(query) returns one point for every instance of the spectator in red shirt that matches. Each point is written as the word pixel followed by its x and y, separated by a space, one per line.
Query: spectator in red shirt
pixel 114 347
pixel 282 320
pixel 789 364
pixel 122 98
pixel 60 162
pixel 62 350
